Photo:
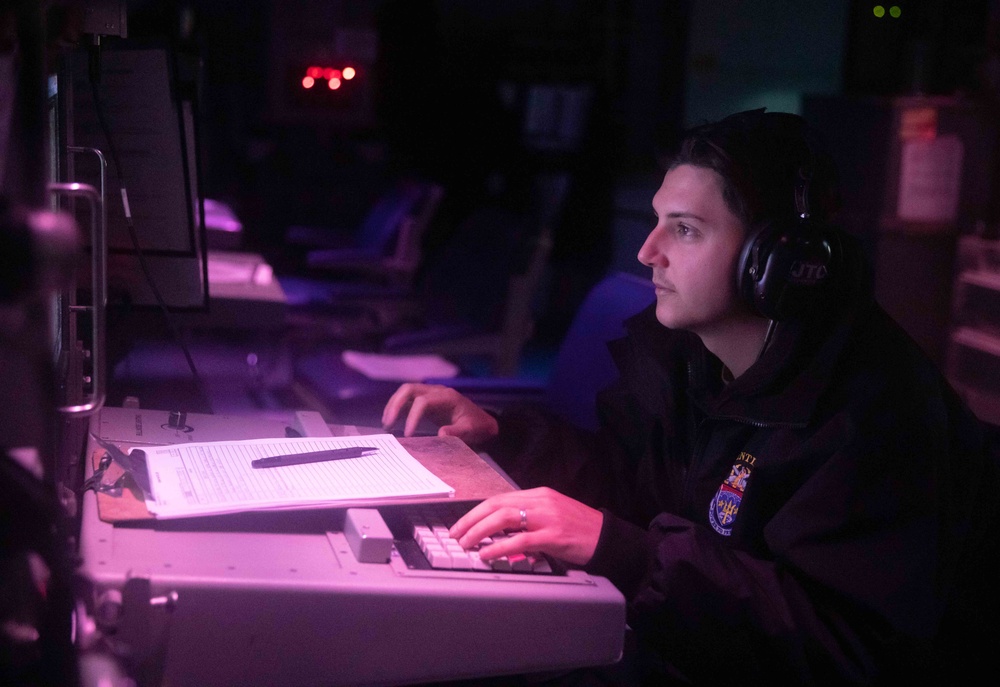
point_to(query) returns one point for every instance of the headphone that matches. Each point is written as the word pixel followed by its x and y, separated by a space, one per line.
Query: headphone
pixel 788 264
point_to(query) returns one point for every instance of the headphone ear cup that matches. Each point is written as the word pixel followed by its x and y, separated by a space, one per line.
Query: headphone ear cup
pixel 752 262
pixel 785 270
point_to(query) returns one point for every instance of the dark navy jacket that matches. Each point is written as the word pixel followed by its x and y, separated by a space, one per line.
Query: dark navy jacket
pixel 825 518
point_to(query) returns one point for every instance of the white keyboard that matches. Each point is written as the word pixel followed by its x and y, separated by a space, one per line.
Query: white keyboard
pixel 429 527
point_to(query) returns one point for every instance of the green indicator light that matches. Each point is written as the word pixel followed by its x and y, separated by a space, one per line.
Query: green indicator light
pixel 879 11
pixel 894 11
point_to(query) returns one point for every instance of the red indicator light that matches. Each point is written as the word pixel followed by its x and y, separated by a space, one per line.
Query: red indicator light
pixel 333 77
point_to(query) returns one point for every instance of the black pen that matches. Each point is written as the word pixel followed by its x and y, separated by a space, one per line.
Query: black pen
pixel 313 457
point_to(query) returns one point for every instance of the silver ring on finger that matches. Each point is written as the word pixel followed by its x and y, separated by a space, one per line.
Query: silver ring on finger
pixel 524 519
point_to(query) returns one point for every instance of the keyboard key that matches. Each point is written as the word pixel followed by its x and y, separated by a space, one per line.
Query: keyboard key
pixel 519 562
pixel 430 527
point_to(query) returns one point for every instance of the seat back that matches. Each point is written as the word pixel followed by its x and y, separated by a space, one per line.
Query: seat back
pixel 380 228
pixel 583 364
pixel 408 249
pixel 484 283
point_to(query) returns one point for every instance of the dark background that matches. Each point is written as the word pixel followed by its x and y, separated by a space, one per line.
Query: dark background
pixel 444 92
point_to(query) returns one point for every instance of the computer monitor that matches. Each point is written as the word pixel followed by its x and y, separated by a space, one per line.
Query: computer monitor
pixel 134 106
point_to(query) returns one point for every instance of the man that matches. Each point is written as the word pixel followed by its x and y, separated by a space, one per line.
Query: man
pixel 783 486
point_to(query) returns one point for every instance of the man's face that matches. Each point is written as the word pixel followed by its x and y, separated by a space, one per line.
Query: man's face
pixel 693 250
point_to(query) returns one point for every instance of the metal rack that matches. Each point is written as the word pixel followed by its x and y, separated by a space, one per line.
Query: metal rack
pixel 973 354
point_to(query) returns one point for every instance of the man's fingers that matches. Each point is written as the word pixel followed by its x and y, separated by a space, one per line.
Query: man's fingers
pixel 486 527
pixel 476 514
pixel 399 399
pixel 417 409
pixel 485 520
pixel 517 543
pixel 463 426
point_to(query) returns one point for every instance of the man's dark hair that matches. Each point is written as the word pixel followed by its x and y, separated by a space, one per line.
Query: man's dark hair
pixel 759 157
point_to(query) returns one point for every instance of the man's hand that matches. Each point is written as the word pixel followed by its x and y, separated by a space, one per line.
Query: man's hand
pixel 550 523
pixel 456 414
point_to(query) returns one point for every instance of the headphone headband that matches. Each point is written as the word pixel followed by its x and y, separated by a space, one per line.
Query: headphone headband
pixel 787 265
pixel 802 192
pixel 790 259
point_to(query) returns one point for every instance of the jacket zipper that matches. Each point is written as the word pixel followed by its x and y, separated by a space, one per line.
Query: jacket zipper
pixel 696 456
pixel 701 440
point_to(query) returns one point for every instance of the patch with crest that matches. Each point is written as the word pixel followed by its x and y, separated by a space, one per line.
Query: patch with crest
pixel 726 501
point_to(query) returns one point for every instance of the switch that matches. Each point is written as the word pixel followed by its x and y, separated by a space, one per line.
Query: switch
pixel 368 535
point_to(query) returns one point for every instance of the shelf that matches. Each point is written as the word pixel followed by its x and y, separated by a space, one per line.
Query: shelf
pixel 977 339
pixel 982 278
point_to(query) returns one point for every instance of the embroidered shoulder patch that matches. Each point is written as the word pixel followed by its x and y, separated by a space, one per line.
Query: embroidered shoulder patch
pixel 726 502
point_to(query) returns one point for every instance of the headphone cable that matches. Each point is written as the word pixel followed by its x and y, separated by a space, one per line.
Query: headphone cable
pixel 771 326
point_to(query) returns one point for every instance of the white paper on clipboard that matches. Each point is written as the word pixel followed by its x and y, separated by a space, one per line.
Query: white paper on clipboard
pixel 217 477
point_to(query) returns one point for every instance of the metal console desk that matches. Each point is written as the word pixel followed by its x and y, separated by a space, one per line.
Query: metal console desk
pixel 279 598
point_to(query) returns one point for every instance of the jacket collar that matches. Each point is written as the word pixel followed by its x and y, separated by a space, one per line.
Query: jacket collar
pixel 783 387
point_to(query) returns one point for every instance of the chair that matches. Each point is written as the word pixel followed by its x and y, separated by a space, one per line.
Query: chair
pixel 484 318
pixel 481 298
pixel 581 367
pixel 389 243
pixel 478 305
pixel 368 286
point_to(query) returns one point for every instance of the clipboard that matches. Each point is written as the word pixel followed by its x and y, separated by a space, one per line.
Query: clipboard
pixel 472 478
